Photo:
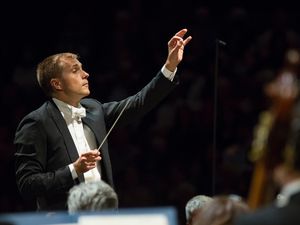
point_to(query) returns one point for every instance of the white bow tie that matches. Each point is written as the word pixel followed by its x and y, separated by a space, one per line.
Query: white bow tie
pixel 78 113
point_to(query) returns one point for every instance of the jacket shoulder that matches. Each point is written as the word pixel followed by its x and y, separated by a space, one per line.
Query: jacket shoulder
pixel 90 103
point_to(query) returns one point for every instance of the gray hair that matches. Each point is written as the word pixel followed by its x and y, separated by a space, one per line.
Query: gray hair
pixel 194 203
pixel 93 196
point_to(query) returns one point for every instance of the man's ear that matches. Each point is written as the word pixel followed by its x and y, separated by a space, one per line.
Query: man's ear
pixel 55 83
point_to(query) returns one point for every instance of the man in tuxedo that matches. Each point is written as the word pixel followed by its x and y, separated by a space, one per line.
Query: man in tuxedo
pixel 57 144
pixel 286 174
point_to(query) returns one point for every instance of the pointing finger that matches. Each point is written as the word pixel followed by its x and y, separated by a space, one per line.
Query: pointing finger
pixel 181 33
pixel 187 40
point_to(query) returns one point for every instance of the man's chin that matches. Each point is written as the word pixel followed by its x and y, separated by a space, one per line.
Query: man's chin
pixel 85 94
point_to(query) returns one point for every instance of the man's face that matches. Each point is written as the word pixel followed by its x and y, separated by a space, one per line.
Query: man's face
pixel 74 80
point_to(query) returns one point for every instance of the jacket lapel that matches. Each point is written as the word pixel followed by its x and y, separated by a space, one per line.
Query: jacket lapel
pixel 63 129
pixel 96 127
pixel 99 130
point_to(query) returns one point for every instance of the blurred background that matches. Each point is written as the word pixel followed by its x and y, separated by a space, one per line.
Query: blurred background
pixel 168 156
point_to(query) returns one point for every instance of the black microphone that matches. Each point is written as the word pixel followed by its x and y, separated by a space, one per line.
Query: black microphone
pixel 221 42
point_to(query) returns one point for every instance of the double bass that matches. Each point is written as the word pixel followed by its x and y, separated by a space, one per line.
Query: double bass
pixel 272 131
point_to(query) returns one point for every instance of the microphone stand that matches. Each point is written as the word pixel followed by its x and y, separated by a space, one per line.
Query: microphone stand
pixel 215 112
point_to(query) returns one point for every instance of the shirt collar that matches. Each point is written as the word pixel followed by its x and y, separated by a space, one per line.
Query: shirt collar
pixel 65 109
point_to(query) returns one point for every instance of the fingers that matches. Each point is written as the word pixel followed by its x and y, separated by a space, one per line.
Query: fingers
pixel 90 165
pixel 175 39
pixel 91 154
pixel 187 40
pixel 92 158
pixel 87 161
pixel 181 33
pixel 178 41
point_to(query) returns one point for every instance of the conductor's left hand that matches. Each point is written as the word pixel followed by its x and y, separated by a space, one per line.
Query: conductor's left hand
pixel 176 47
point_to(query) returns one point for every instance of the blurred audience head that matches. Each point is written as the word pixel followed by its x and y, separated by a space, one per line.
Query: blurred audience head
pixel 221 210
pixel 196 202
pixel 94 196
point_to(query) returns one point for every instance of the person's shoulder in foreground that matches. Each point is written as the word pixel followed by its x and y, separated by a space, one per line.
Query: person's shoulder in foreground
pixel 221 210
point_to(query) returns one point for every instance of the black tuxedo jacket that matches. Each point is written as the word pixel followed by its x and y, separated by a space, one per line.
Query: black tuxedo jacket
pixel 272 215
pixel 45 148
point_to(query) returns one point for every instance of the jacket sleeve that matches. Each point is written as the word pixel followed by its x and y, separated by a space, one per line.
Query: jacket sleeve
pixel 31 160
pixel 140 103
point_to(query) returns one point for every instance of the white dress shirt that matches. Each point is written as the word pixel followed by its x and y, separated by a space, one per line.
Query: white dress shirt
pixel 167 73
pixel 82 136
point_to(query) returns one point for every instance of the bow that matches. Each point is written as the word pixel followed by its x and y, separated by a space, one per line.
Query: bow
pixel 78 113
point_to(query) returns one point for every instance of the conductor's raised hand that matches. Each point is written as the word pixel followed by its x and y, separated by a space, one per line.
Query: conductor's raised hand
pixel 176 47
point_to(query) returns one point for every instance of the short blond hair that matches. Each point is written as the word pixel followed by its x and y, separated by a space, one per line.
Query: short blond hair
pixel 51 67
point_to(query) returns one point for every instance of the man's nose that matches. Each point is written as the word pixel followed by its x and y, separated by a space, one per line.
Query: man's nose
pixel 85 75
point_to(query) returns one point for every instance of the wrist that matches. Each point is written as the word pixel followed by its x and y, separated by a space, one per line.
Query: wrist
pixel 170 66
pixel 77 168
